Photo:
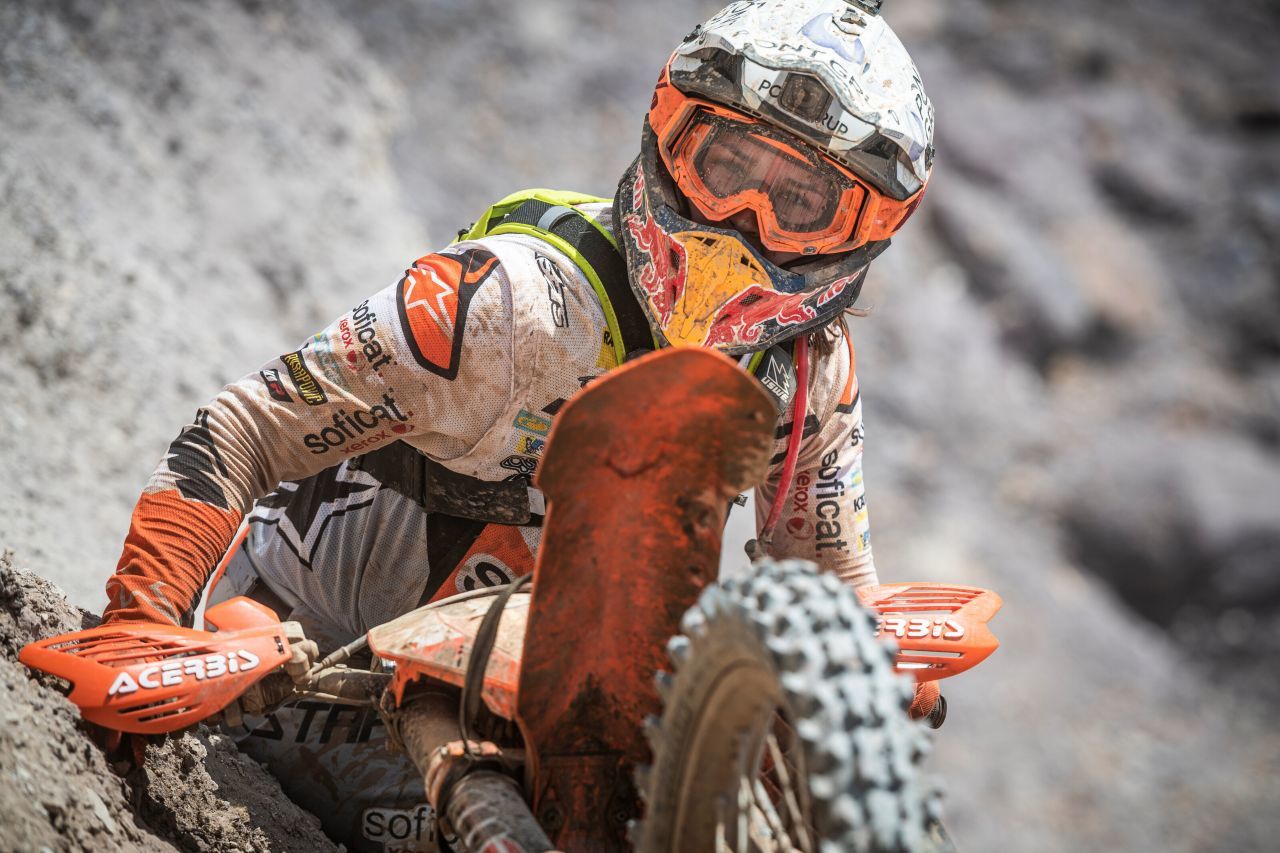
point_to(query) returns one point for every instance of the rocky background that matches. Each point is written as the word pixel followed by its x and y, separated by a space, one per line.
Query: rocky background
pixel 1071 370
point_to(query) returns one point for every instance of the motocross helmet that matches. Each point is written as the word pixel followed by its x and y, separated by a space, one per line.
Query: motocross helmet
pixel 787 140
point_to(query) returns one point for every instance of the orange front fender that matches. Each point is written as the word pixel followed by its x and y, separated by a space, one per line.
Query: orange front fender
pixel 639 473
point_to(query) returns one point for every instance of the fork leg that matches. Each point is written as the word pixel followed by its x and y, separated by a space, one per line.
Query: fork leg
pixel 483 805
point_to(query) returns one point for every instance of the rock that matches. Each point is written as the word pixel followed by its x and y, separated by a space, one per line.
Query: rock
pixel 1183 527
pixel 31 608
pixel 117 246
pixel 1031 291
pixel 1120 279
pixel 205 794
pixel 1171 519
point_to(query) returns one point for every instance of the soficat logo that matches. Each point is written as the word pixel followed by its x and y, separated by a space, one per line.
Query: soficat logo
pixel 360 337
pixel 362 429
pixel 400 829
pixel 828 494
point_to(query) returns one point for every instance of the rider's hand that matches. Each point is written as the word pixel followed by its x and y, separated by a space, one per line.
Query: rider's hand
pixel 929 704
pixel 267 694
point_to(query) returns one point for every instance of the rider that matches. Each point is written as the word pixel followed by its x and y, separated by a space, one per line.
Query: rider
pixel 786 142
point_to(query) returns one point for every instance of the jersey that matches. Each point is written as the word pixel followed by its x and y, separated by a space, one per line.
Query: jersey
pixel 466 359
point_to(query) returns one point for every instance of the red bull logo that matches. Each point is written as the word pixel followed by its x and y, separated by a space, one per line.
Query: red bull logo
pixel 662 278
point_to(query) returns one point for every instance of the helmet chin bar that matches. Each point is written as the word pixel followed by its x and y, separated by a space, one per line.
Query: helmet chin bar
pixel 647 200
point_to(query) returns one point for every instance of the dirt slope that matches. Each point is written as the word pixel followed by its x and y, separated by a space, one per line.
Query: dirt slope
pixel 194 792
pixel 1069 399
pixel 185 191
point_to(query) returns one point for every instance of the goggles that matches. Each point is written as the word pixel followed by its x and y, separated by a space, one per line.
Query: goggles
pixel 804 202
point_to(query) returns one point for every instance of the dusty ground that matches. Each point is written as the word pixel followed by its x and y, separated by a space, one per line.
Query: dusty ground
pixel 1071 373
pixel 196 792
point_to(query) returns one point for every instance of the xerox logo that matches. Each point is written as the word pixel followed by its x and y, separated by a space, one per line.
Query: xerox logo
pixel 359 336
pixel 799 527
pixel 800 495
pixel 361 429
pixel 798 524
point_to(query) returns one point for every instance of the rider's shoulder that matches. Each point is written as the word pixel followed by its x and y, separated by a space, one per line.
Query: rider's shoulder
pixel 833 374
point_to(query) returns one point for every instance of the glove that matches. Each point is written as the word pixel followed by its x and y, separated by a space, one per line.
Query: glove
pixel 266 695
pixel 929 705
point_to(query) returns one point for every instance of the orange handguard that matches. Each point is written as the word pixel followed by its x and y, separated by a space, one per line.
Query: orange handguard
pixel 940 630
pixel 154 678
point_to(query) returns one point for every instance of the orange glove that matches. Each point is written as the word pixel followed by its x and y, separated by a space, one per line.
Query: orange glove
pixel 929 704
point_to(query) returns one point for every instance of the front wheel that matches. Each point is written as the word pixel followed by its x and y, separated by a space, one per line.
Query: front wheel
pixel 785 727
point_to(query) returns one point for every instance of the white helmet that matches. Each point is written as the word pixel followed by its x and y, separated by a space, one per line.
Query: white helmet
pixel 804 122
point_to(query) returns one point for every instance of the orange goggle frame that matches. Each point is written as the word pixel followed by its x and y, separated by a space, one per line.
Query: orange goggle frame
pixel 860 213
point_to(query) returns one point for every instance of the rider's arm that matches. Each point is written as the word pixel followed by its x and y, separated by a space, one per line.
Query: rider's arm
pixel 824 516
pixel 428 359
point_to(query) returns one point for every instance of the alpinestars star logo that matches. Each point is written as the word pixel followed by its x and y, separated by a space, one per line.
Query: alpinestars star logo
pixel 302 512
pixel 435 296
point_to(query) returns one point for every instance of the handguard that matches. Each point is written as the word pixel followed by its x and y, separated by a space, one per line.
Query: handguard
pixel 940 630
pixel 151 678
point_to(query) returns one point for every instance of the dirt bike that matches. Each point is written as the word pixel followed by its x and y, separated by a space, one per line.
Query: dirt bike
pixel 782 726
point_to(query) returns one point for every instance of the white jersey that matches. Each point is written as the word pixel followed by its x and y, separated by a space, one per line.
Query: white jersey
pixel 467 359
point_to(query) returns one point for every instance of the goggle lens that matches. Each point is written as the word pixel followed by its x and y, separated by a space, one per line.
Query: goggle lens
pixel 804 201
pixel 801 192
pixel 726 164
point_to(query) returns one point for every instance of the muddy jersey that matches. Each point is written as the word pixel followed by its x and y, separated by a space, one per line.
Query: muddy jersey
pixel 467 359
